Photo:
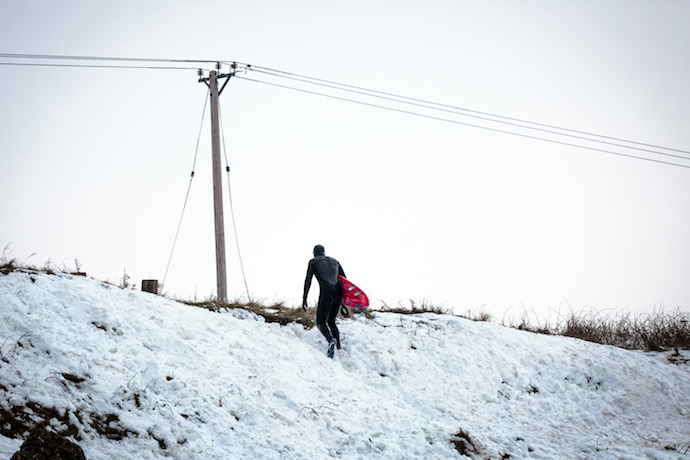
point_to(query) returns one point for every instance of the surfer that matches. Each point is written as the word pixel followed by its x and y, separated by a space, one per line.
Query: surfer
pixel 326 269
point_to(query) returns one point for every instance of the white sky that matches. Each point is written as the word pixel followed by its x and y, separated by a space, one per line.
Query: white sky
pixel 95 162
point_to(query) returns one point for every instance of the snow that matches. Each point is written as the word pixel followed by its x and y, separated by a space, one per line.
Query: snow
pixel 187 383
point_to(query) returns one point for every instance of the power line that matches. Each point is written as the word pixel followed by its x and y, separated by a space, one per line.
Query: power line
pixel 454 108
pixel 438 107
pixel 93 66
pixel 97 58
pixel 400 99
pixel 60 57
pixel 460 122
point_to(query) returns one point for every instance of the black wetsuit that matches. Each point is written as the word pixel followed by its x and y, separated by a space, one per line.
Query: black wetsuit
pixel 326 269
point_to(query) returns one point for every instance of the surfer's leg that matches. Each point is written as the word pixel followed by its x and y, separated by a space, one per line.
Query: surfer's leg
pixel 322 317
pixel 332 315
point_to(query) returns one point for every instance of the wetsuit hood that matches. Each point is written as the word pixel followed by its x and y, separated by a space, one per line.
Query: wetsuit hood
pixel 319 250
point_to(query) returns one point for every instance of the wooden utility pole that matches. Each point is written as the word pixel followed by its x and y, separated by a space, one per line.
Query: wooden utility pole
pixel 221 271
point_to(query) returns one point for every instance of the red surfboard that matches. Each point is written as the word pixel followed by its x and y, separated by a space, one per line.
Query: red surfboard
pixel 352 295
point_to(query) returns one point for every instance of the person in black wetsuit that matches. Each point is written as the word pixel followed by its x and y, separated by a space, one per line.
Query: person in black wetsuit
pixel 326 269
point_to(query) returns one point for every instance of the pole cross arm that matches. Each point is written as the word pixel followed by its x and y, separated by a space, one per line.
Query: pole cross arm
pixel 227 79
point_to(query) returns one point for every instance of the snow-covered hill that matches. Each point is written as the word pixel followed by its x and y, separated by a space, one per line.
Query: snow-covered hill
pixel 182 382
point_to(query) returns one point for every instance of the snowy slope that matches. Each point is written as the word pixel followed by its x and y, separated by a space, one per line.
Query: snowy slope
pixel 191 384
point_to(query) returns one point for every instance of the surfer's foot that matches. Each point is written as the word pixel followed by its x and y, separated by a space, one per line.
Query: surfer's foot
pixel 331 348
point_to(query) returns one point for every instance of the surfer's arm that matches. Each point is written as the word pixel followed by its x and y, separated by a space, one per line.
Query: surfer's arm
pixel 341 272
pixel 307 285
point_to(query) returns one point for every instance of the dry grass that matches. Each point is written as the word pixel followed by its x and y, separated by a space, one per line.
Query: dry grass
pixel 424 306
pixel 276 312
pixel 477 315
pixel 656 331
pixel 273 313
pixel 414 308
pixel 10 264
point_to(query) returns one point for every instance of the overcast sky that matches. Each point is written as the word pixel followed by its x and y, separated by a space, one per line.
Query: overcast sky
pixel 95 163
